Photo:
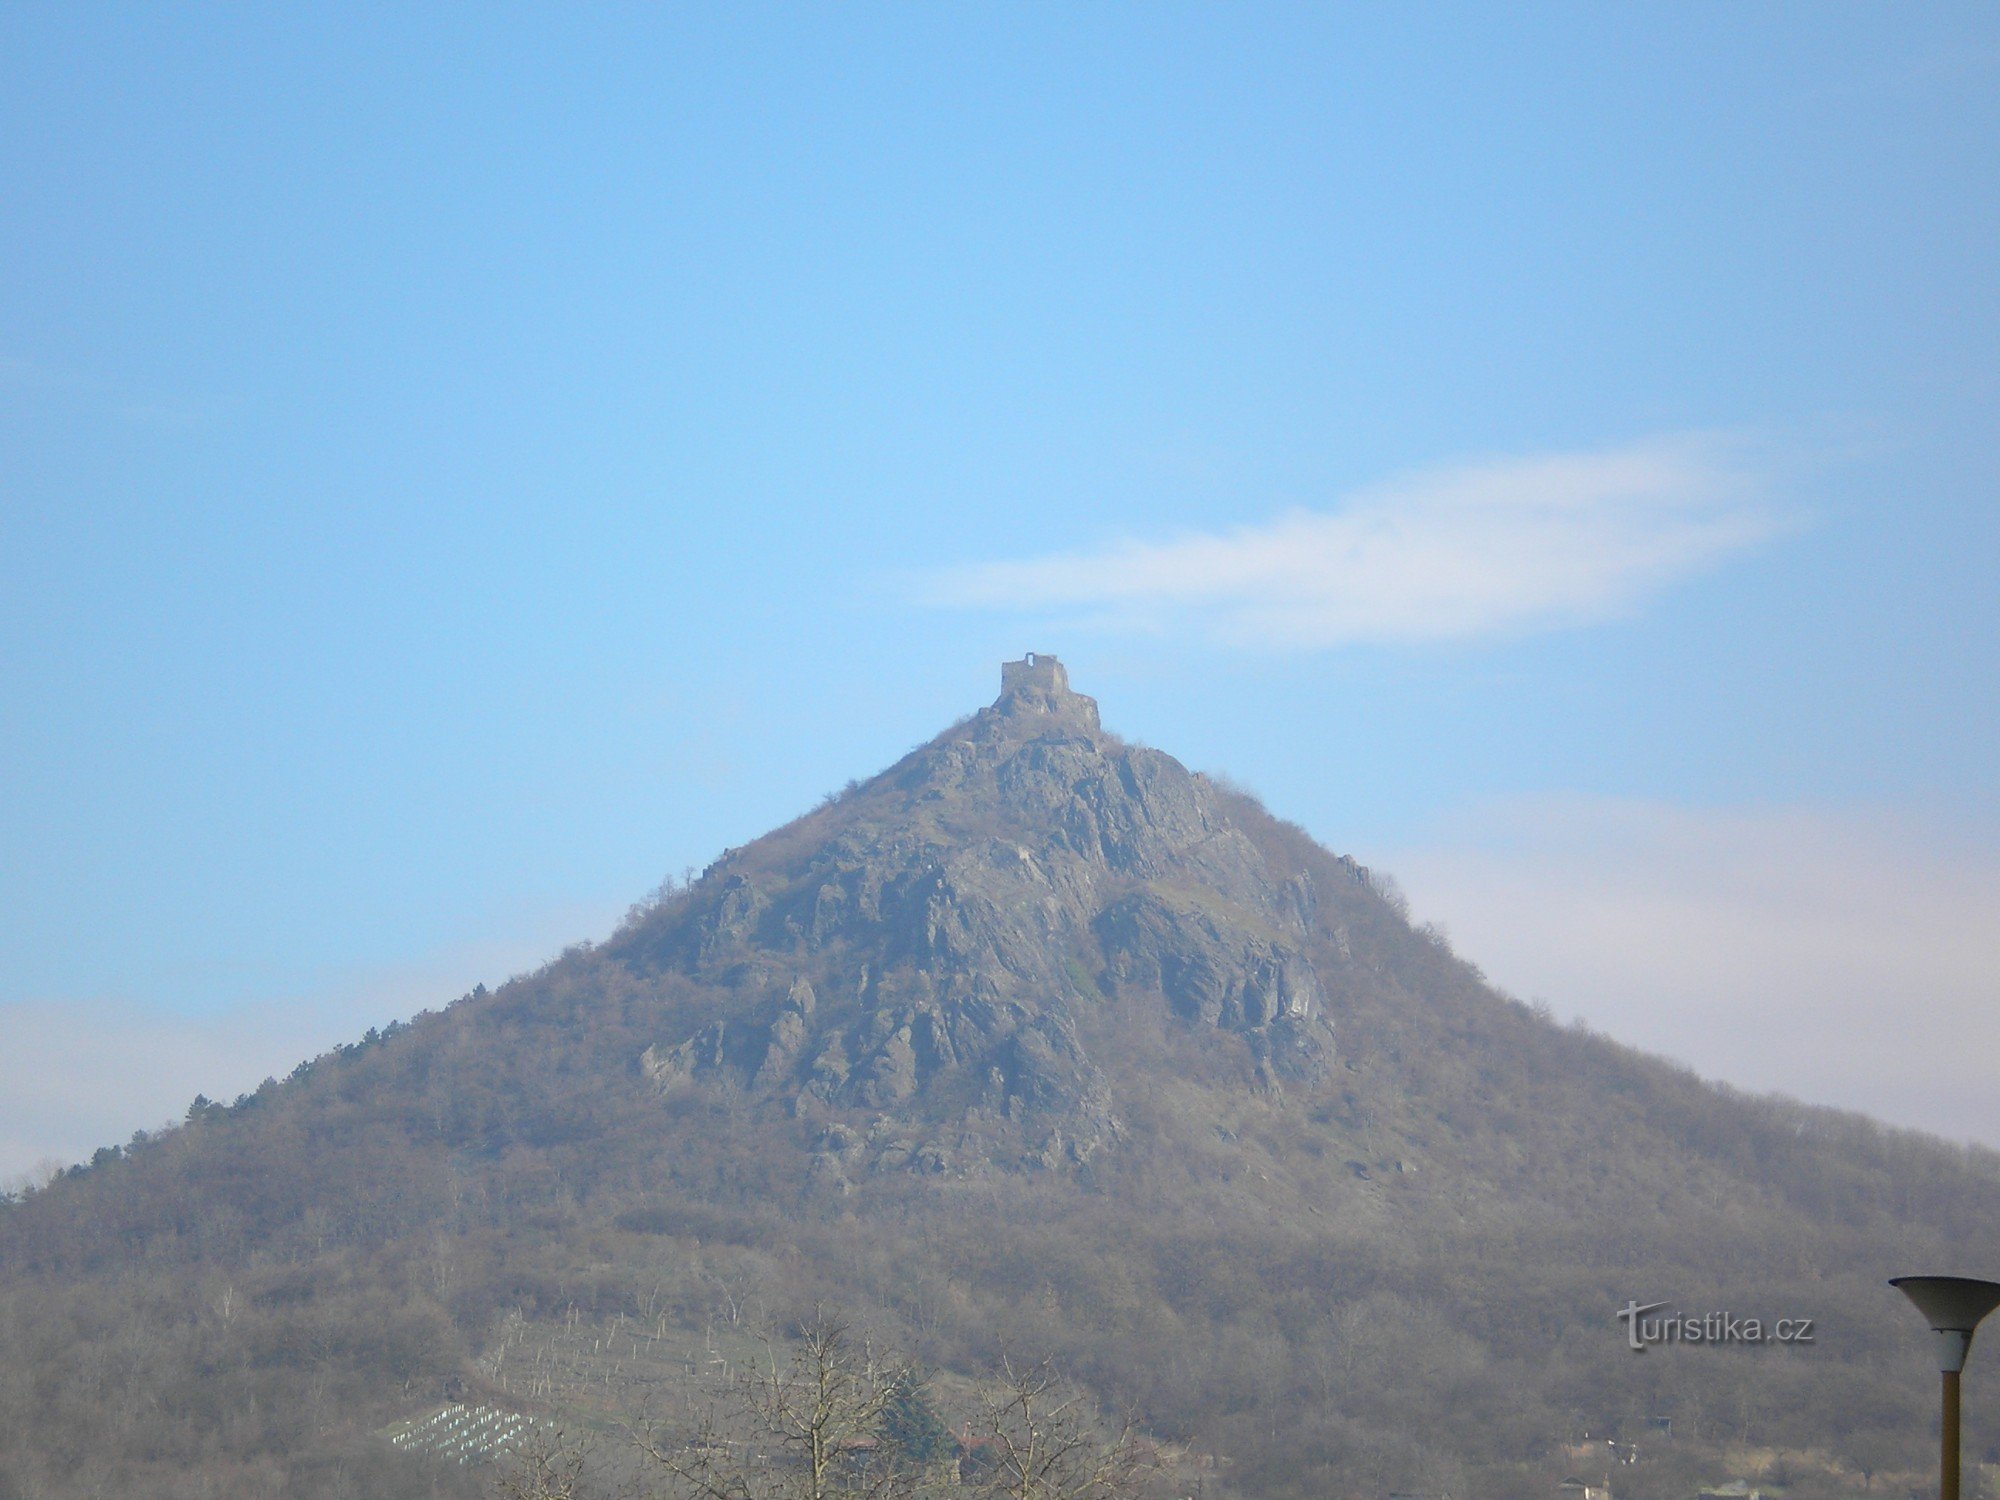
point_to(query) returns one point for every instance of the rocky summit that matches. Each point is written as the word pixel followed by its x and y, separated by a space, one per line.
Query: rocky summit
pixel 924 952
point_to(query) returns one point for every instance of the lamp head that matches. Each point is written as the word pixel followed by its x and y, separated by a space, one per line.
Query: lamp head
pixel 1953 1305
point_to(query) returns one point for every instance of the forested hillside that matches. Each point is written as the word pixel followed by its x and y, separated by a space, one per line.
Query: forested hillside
pixel 1035 1044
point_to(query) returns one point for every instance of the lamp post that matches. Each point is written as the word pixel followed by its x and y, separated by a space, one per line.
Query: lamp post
pixel 1953 1305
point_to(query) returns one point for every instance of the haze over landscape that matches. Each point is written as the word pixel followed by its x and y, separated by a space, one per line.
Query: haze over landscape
pixel 1520 484
pixel 1141 751
pixel 1035 1119
pixel 458 468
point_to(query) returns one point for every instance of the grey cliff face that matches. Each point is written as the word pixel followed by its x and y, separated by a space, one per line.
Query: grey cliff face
pixel 920 950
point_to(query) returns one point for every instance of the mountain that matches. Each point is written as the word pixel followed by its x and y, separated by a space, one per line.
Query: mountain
pixel 920 952
pixel 1035 1043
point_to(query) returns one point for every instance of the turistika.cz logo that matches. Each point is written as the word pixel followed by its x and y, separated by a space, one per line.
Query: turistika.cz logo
pixel 1643 1331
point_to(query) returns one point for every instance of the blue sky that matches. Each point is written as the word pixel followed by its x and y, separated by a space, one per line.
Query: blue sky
pixel 460 465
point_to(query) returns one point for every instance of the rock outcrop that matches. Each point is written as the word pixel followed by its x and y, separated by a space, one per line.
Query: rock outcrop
pixel 911 962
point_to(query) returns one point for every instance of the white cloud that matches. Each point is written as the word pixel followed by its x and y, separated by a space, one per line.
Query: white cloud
pixel 1505 545
pixel 1844 960
pixel 77 1074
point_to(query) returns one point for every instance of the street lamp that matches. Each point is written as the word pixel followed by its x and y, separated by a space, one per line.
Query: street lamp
pixel 1954 1305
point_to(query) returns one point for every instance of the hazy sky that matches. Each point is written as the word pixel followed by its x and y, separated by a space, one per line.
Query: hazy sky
pixel 458 465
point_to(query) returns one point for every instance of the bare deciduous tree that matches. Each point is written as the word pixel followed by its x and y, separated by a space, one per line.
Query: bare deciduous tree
pixel 825 1416
pixel 546 1464
pixel 804 1427
pixel 1038 1439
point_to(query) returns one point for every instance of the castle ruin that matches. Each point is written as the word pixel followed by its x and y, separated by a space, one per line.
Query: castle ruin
pixel 1036 670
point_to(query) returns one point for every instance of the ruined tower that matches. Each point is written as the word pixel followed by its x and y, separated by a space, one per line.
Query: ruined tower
pixel 1036 670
